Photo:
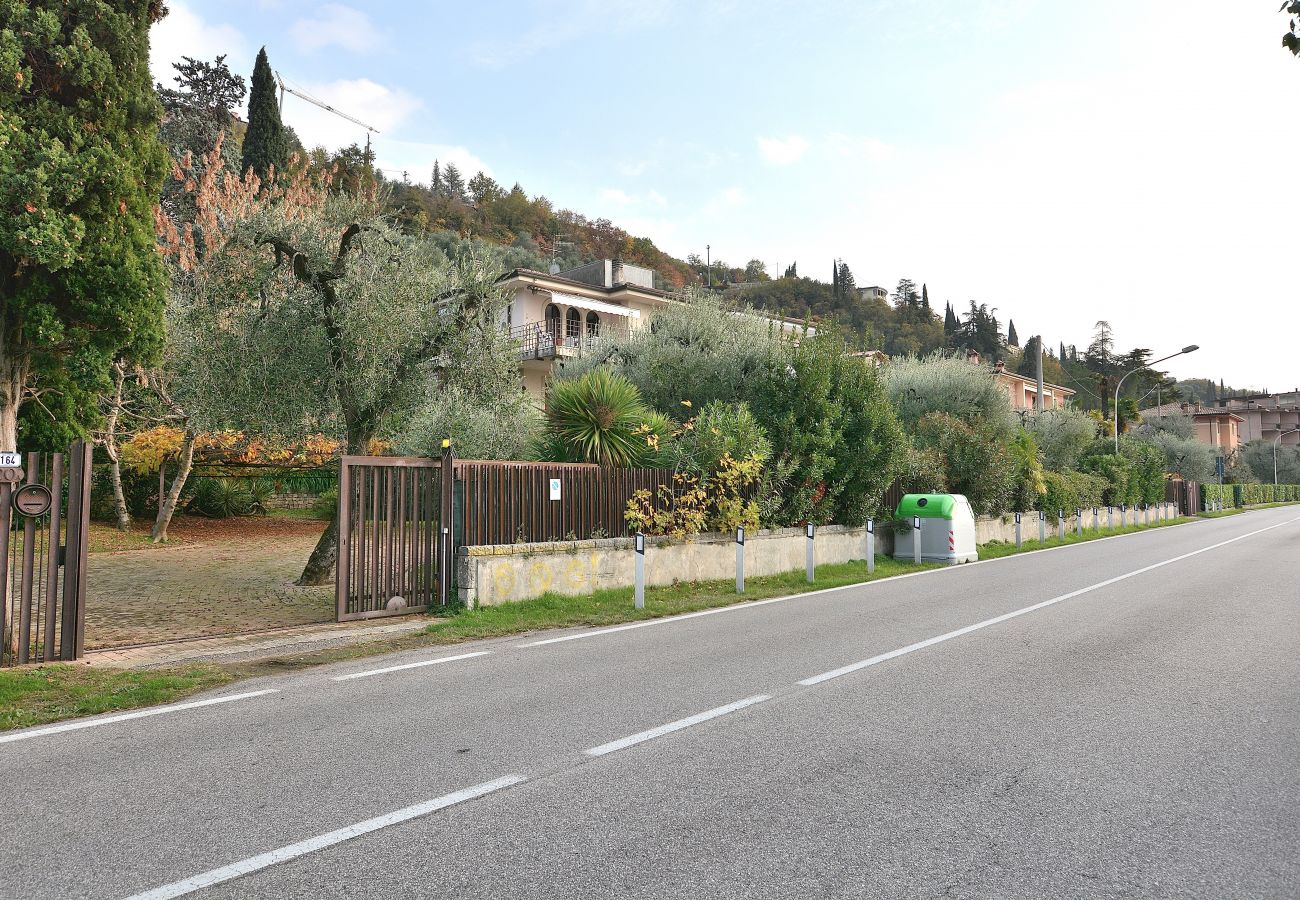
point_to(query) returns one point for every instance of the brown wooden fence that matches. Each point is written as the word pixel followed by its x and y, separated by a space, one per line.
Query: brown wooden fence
pixel 44 525
pixel 527 502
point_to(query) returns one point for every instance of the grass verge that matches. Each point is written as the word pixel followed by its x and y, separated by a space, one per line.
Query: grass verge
pixel 41 694
pixel 999 549
pixel 614 606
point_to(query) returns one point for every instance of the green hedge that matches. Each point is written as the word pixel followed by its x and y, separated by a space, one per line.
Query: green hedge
pixel 1249 494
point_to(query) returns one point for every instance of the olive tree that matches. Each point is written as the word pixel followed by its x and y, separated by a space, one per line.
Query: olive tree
pixel 310 312
pixel 942 384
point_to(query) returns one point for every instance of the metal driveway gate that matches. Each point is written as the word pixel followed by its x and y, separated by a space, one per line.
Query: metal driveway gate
pixel 392 556
pixel 44 527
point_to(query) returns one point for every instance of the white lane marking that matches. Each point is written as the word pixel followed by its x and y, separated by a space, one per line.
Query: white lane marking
pixel 141 714
pixel 996 620
pixel 312 845
pixel 414 665
pixel 890 579
pixel 640 737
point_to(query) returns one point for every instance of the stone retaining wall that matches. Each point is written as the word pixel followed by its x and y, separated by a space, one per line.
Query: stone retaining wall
pixel 502 574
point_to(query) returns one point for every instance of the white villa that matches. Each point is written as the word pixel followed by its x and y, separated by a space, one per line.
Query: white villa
pixel 561 315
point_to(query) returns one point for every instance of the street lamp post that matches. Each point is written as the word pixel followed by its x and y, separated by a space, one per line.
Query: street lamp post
pixel 1188 349
pixel 1277 440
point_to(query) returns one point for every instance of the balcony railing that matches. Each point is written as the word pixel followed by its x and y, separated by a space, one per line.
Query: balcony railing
pixel 547 340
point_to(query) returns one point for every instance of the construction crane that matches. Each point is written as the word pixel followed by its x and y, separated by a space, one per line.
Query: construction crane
pixel 303 95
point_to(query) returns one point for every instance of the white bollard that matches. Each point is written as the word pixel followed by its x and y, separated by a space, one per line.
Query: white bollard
pixel 1078 522
pixel 740 560
pixel 1060 524
pixel 1110 517
pixel 1017 531
pixel 1096 518
pixel 916 539
pixel 811 564
pixel 1042 526
pixel 639 590
pixel 871 546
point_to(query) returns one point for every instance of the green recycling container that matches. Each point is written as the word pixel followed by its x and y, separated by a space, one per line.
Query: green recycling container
pixel 927 506
pixel 947 532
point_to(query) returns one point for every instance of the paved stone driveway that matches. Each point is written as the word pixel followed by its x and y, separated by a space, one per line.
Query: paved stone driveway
pixel 225 583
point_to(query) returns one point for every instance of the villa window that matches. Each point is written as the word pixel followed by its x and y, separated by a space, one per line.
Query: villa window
pixel 572 324
pixel 593 325
pixel 552 320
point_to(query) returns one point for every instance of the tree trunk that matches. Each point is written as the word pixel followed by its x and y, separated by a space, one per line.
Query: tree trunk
pixel 165 512
pixel 320 565
pixel 13 383
pixel 120 511
pixel 111 419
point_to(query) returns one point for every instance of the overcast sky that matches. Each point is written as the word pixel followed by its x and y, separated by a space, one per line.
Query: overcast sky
pixel 1128 160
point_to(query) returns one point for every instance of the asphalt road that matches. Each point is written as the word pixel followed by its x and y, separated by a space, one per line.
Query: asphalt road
pixel 1114 719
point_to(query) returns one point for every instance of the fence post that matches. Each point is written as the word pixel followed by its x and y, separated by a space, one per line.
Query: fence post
pixel 1042 526
pixel 447 504
pixel 740 560
pixel 871 546
pixel 809 529
pixel 916 539
pixel 1017 531
pixel 639 591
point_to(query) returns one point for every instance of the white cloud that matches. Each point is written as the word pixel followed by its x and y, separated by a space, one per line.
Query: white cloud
pixel 634 168
pixel 184 33
pixel 617 197
pixel 417 157
pixel 375 104
pixel 336 25
pixel 783 151
pixel 655 198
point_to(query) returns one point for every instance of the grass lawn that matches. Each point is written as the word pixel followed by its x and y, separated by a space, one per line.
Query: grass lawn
pixel 39 694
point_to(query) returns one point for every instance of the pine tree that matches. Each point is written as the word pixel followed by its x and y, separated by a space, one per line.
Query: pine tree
pixel 792 270
pixel 1012 339
pixel 266 147
pixel 81 280
pixel 455 183
pixel 436 185
pixel 847 284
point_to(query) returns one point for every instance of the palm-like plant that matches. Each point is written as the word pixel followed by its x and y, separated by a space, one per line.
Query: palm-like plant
pixel 600 418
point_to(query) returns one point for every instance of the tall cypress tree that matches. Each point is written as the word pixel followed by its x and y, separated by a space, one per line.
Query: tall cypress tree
pixel 1012 339
pixel 835 279
pixel 950 324
pixel 265 144
pixel 925 302
pixel 81 170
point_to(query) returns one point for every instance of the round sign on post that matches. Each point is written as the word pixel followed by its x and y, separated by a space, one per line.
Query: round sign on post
pixel 33 500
